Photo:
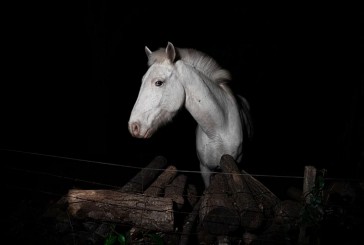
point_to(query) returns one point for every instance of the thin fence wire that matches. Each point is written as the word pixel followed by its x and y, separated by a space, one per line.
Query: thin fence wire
pixel 156 169
pixel 99 184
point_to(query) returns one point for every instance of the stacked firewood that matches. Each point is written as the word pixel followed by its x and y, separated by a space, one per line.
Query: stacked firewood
pixel 150 201
pixel 234 202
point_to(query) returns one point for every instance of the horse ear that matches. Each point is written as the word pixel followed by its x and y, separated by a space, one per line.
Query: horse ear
pixel 147 51
pixel 171 52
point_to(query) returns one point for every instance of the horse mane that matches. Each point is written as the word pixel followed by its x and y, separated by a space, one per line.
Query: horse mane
pixel 211 69
pixel 197 59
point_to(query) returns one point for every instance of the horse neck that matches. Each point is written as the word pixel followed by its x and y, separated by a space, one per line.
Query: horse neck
pixel 206 102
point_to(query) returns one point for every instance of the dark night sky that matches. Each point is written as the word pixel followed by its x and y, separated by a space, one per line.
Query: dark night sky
pixel 73 74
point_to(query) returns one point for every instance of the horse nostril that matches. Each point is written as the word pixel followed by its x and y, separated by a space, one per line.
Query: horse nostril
pixel 135 128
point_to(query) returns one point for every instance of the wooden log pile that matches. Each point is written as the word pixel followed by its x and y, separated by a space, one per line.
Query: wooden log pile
pixel 235 201
pixel 156 199
pixel 148 210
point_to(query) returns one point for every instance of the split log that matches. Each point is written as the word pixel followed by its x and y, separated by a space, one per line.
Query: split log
pixel 176 189
pixel 255 203
pixel 146 176
pixel 154 213
pixel 157 188
pixel 217 213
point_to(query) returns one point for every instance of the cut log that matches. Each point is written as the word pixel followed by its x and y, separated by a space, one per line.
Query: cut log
pixel 217 213
pixel 155 190
pixel 158 186
pixel 143 179
pixel 140 182
pixel 154 213
pixel 176 189
pixel 255 203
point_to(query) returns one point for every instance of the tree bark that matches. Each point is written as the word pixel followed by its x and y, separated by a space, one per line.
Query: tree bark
pixel 142 179
pixel 154 213
pixel 156 189
pixel 189 224
pixel 158 186
pixel 192 195
pixel 217 212
pixel 255 203
pixel 176 189
pixel 140 182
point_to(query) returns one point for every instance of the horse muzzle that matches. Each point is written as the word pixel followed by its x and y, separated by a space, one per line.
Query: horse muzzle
pixel 135 130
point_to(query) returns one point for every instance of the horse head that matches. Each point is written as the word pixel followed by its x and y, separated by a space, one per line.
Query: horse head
pixel 161 94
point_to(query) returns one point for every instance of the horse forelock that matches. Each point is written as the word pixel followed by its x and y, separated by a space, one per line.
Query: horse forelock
pixel 158 56
pixel 199 60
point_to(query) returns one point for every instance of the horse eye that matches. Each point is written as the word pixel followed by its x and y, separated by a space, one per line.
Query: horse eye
pixel 158 83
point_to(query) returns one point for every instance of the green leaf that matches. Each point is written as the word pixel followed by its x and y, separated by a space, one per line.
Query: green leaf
pixel 110 240
pixel 321 182
pixel 121 239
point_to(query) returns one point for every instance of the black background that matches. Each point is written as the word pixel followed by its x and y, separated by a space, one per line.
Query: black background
pixel 72 74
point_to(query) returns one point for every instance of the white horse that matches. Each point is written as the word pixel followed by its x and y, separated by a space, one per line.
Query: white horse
pixel 186 77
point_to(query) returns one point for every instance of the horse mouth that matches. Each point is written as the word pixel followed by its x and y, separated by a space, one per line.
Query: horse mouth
pixel 148 134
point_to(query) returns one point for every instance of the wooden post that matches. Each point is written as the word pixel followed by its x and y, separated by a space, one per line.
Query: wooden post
pixel 308 184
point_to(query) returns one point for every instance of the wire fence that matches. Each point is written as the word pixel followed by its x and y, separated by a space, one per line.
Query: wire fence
pixel 95 184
